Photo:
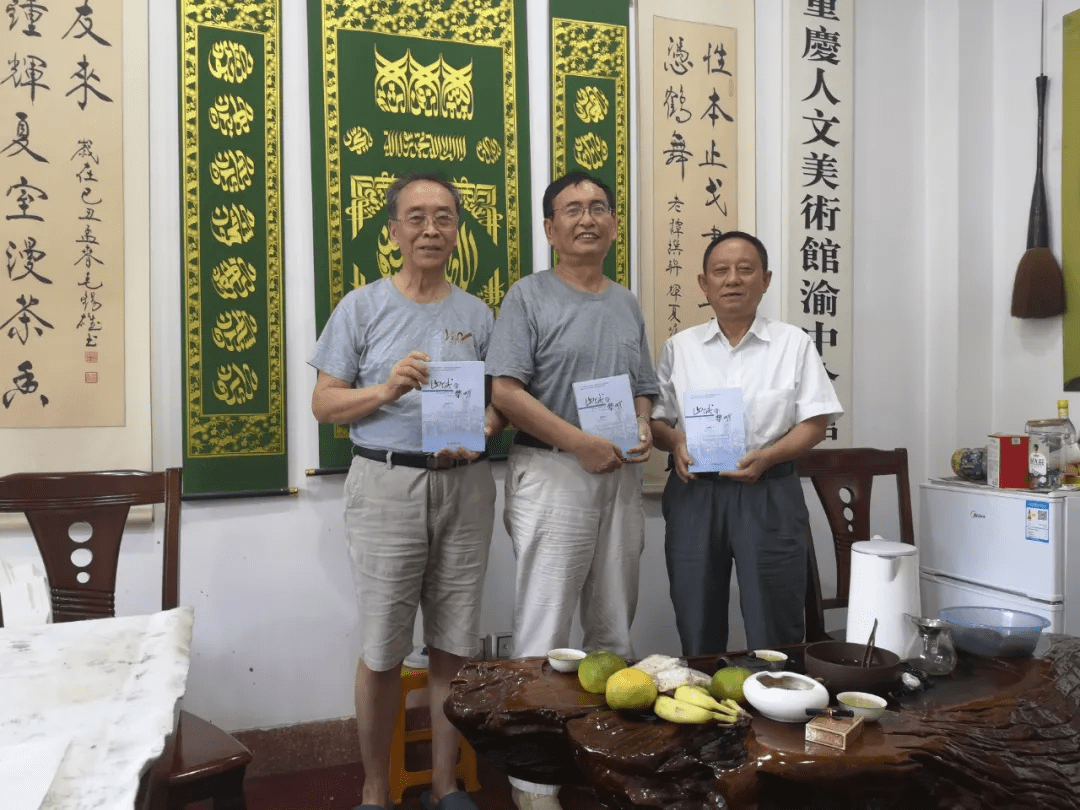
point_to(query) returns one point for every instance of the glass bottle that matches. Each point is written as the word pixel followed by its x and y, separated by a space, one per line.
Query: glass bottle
pixel 1070 452
pixel 1045 456
pixel 931 650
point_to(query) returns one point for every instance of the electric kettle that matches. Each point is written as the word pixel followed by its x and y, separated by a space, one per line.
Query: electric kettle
pixel 884 586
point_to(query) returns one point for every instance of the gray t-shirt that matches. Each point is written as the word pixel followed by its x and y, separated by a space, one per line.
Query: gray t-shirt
pixel 550 335
pixel 374 327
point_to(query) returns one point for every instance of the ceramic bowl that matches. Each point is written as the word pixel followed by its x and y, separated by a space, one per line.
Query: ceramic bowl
pixel 837 663
pixel 565 659
pixel 774 659
pixel 785 705
pixel 869 707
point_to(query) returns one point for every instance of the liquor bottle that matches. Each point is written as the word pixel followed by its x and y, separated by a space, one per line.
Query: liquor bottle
pixel 1070 452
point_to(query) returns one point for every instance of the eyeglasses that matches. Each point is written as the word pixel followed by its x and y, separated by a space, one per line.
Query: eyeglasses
pixel 576 210
pixel 443 220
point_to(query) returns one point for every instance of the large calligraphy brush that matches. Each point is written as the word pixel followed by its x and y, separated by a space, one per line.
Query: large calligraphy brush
pixel 1039 286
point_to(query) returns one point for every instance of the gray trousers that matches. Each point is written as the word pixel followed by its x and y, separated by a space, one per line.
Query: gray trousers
pixel 762 528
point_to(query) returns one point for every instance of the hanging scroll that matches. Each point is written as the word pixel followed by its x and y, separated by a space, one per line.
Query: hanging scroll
pixel 590 106
pixel 234 308
pixel 435 86
pixel 1070 197
pixel 74 288
pixel 697 143
pixel 819 188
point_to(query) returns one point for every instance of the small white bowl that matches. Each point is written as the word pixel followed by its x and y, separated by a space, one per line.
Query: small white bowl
pixel 774 659
pixel 785 705
pixel 868 713
pixel 565 659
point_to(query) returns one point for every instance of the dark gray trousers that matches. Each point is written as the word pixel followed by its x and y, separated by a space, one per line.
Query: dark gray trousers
pixel 762 528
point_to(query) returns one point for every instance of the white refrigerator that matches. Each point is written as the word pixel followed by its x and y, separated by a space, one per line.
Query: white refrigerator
pixel 979 545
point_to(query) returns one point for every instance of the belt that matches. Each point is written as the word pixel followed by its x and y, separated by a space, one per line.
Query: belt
pixel 528 440
pixel 423 461
pixel 776 471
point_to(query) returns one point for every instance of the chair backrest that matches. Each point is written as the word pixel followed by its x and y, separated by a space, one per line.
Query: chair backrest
pixel 843 479
pixel 54 502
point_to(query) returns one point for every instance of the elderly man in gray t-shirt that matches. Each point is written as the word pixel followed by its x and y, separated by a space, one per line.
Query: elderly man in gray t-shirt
pixel 573 500
pixel 418 526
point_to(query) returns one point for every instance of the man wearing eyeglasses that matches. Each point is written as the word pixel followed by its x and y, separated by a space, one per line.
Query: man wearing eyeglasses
pixel 573 500
pixel 418 526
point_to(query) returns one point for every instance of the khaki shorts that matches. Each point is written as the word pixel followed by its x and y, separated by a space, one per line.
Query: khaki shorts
pixel 418 537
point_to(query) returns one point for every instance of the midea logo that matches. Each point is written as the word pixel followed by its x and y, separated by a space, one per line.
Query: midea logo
pixel 975 514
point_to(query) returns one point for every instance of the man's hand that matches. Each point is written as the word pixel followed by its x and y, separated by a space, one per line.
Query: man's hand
pixel 683 460
pixel 598 455
pixel 640 452
pixel 408 374
pixel 494 422
pixel 750 467
pixel 458 453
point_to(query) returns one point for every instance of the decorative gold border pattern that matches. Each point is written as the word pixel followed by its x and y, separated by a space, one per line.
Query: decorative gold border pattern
pixel 231 434
pixel 595 59
pixel 419 19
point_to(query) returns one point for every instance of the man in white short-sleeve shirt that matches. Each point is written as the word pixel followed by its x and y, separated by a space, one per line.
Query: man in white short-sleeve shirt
pixel 754 516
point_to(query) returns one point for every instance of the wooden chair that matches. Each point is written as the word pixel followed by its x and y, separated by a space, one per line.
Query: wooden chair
pixel 208 763
pixel 843 479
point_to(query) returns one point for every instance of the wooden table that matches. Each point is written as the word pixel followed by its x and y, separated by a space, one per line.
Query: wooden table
pixel 996 733
pixel 102 694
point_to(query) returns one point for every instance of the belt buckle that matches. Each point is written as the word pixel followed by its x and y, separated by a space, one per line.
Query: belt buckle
pixel 435 462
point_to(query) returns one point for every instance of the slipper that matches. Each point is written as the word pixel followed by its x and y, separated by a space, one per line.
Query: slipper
pixel 389 806
pixel 458 800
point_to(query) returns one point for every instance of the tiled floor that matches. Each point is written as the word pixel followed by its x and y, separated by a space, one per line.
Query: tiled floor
pixel 339 789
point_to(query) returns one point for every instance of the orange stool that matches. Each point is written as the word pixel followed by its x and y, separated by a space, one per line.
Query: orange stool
pixel 400 778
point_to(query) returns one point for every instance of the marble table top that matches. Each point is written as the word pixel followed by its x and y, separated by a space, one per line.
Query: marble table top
pixel 105 692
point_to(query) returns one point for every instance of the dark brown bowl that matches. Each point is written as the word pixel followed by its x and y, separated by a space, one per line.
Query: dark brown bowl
pixel 837 664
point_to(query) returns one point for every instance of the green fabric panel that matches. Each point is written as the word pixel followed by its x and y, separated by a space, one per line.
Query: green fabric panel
pixel 433 86
pixel 1070 199
pixel 590 103
pixel 234 308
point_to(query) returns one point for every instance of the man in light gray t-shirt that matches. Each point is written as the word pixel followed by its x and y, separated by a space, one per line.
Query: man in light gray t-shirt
pixel 418 525
pixel 573 500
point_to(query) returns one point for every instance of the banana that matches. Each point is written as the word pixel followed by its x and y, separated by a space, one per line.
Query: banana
pixel 678 711
pixel 691 695
pixel 703 689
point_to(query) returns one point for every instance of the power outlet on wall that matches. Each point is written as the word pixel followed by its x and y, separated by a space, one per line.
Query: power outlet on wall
pixel 499 645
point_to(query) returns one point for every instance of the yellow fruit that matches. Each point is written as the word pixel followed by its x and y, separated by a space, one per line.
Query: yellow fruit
pixel 630 689
pixel 676 711
pixel 689 694
pixel 596 668
pixel 727 683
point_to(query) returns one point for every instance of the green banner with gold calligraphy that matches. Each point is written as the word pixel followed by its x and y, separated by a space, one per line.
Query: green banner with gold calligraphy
pixel 434 86
pixel 233 298
pixel 590 105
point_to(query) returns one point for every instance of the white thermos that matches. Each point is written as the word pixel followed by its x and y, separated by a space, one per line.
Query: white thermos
pixel 884 586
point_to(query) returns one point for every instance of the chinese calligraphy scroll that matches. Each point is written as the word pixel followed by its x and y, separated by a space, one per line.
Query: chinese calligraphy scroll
pixel 434 85
pixel 62 283
pixel 233 319
pixel 698 176
pixel 1070 197
pixel 697 143
pixel 591 106
pixel 819 193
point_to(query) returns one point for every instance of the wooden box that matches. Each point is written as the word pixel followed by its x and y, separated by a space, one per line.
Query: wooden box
pixel 835 732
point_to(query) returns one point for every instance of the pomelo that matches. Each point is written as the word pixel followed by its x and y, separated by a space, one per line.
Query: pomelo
pixel 728 683
pixel 596 668
pixel 630 689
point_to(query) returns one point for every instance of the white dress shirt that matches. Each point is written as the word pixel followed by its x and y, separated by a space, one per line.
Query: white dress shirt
pixel 775 364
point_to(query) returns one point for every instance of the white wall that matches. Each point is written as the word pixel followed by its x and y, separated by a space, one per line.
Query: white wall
pixel 945 139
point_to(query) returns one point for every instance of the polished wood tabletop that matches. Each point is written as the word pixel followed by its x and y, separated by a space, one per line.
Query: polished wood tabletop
pixel 998 733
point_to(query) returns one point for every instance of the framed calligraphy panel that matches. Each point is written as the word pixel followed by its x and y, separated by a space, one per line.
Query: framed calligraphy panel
pixel 819 188
pixel 1070 197
pixel 233 298
pixel 433 85
pixel 74 246
pixel 697 120
pixel 590 106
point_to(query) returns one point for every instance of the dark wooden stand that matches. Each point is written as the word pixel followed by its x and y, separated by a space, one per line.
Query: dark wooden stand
pixel 994 734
